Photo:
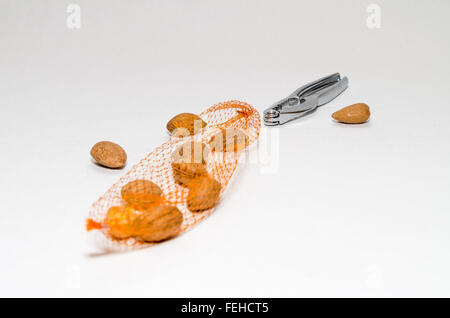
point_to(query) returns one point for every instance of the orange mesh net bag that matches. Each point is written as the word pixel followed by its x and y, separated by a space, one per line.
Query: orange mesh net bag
pixel 178 184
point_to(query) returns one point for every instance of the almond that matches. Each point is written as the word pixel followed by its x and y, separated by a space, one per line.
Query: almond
pixel 353 114
pixel 184 173
pixel 189 162
pixel 121 221
pixel 159 223
pixel 204 194
pixel 140 194
pixel 109 154
pixel 191 152
pixel 230 139
pixel 185 124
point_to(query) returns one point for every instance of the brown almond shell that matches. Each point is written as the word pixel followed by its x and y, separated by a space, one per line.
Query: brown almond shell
pixel 188 166
pixel 230 139
pixel 141 193
pixel 159 223
pixel 204 194
pixel 109 154
pixel 185 124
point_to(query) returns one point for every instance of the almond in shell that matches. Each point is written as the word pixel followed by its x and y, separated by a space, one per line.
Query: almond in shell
pixel 141 194
pixel 185 124
pixel 159 223
pixel 230 139
pixel 189 162
pixel 204 194
pixel 109 154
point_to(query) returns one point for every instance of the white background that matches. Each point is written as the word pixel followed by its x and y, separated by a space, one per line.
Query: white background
pixel 350 210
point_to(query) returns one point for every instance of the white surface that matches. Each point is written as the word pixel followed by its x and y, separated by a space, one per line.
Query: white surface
pixel 351 211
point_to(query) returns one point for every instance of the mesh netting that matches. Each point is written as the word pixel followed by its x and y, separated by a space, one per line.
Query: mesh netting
pixel 157 168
